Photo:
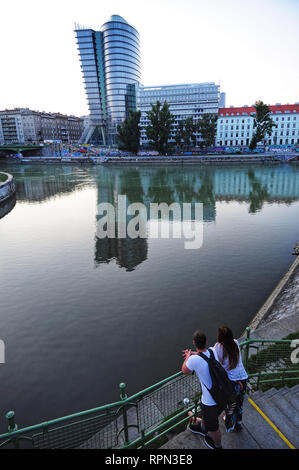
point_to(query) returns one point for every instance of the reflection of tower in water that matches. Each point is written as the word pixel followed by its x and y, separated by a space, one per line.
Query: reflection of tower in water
pixel 127 252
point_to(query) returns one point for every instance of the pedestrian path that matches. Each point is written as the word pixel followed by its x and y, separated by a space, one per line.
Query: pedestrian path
pixel 270 421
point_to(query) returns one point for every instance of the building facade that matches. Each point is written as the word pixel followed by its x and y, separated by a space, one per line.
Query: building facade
pixel 235 125
pixel 110 62
pixel 186 100
pixel 24 125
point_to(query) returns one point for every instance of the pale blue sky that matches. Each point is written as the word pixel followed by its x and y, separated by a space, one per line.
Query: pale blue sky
pixel 250 47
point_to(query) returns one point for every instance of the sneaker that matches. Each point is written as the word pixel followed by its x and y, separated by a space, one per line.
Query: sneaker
pixel 229 424
pixel 239 419
pixel 197 429
pixel 238 427
pixel 210 443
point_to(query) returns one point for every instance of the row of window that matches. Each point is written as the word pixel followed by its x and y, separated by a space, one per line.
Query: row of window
pixel 121 49
pixel 113 32
pixel 121 40
pixel 280 118
pixel 119 28
pixel 269 142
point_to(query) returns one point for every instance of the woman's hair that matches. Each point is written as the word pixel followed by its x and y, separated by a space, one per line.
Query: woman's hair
pixel 230 348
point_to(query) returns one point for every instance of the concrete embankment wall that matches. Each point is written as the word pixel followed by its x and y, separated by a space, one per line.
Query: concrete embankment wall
pixel 7 188
pixel 279 316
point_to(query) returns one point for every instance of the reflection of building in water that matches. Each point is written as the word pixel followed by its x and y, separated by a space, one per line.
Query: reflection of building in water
pixel 205 185
pixel 234 183
pixel 127 252
pixel 279 184
pixel 46 185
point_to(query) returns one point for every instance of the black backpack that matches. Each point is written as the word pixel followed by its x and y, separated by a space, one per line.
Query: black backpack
pixel 222 389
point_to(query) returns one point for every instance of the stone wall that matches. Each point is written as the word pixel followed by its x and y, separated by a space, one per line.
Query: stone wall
pixel 7 188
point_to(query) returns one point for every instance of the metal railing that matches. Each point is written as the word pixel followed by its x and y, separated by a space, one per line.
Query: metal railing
pixel 269 362
pixel 143 419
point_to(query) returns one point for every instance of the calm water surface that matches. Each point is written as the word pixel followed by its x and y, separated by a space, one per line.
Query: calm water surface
pixel 79 315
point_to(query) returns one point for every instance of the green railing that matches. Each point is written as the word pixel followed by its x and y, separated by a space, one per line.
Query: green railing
pixel 143 419
pixel 269 362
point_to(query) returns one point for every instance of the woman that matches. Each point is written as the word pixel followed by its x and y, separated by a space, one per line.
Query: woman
pixel 229 355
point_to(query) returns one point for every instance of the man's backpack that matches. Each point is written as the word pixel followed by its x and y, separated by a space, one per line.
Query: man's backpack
pixel 222 389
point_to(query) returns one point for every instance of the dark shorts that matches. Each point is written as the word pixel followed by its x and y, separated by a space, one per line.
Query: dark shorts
pixel 210 417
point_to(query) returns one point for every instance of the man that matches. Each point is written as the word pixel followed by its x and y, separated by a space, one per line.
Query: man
pixel 208 426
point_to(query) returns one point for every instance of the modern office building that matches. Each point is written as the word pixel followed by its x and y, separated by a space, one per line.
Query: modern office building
pixel 235 125
pixel 222 100
pixel 110 62
pixel 23 125
pixel 186 100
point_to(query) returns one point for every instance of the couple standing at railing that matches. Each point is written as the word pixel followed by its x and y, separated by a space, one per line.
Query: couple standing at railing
pixel 223 380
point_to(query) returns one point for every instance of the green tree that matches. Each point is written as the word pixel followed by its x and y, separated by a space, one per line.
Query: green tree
pixel 207 129
pixel 128 133
pixel 160 127
pixel 185 135
pixel 262 123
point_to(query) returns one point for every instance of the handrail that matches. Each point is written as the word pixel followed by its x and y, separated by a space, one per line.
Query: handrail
pixel 79 414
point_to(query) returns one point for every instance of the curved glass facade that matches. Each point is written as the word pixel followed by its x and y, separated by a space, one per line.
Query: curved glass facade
pixel 110 62
pixel 121 55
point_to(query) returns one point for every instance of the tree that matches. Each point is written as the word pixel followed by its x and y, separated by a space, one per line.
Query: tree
pixel 128 133
pixel 262 123
pixel 160 127
pixel 185 135
pixel 207 129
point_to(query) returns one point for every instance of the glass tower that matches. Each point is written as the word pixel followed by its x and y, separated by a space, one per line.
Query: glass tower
pixel 110 62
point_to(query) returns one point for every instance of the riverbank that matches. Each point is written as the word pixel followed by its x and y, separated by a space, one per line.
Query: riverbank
pixel 279 315
pixel 7 186
pixel 171 159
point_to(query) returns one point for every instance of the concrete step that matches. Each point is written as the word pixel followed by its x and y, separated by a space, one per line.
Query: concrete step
pixel 294 389
pixel 273 392
pixel 185 440
pixel 260 430
pixel 293 399
pixel 234 440
pixel 270 392
pixel 256 395
pixel 287 409
pixel 278 418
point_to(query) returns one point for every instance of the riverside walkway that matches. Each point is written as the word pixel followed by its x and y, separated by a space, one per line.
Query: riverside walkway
pixel 270 421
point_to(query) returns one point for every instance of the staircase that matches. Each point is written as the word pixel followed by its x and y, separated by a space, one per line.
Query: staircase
pixel 281 407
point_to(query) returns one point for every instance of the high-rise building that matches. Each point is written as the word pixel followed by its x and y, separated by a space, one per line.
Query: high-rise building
pixel 187 100
pixel 110 62
pixel 222 100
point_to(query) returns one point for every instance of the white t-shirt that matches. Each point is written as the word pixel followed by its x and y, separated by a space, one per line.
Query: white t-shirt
pixel 201 368
pixel 239 372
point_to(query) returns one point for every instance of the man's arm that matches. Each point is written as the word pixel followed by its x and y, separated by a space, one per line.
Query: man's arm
pixel 186 354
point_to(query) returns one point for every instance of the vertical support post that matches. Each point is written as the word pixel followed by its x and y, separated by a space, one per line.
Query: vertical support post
pixel 123 396
pixel 142 439
pixel 258 380
pixel 247 346
pixel 10 416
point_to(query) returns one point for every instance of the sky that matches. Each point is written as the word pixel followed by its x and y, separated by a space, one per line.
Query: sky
pixel 248 47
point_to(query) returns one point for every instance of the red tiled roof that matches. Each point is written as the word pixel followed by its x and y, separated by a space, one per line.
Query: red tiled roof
pixel 250 109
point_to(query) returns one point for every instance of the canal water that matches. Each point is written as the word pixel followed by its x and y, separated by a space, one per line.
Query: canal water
pixel 79 315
